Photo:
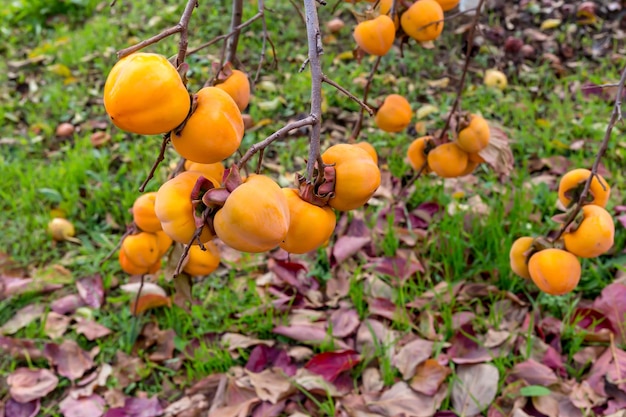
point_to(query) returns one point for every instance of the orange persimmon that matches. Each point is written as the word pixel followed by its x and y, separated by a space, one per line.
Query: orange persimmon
pixel 475 136
pixel 141 249
pixel 594 235
pixel 394 115
pixel 215 170
pixel 517 257
pixel 448 160
pixel 143 213
pixel 423 21
pixel 367 147
pixel 554 271
pixel 202 262
pixel 416 154
pixel 237 86
pixel 375 36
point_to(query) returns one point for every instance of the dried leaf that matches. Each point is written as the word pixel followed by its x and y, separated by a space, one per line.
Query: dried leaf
pixel 90 329
pixel 309 333
pixel 69 359
pixel 91 290
pixel 263 357
pixel 411 355
pixel 534 373
pixel 429 376
pixel 474 388
pixel 147 302
pixel 331 364
pixel 271 385
pixel 13 408
pixel 26 385
pixel 347 246
pixel 401 400
pixel 56 325
pixel 22 318
pixel 344 322
pixel 236 341
pixel 91 406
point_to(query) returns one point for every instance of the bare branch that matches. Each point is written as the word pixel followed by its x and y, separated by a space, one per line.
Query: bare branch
pixel 235 21
pixel 226 35
pixel 348 94
pixel 359 123
pixel 160 158
pixel 184 24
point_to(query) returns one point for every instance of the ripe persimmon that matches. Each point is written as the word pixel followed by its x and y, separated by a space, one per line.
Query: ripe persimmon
pixel 215 170
pixel 369 149
pixel 471 166
pixel 141 249
pixel 423 21
pixel 448 160
pixel 202 262
pixel 164 242
pixel 475 157
pixel 175 209
pixel 518 258
pixel 144 94
pixel 448 5
pixel 143 213
pixel 237 86
pixel 309 225
pixel 573 182
pixel 416 153
pixel 395 114
pixel 475 137
pixel 595 234
pixel 356 176
pixel 554 271
pixel 255 216
pixel 375 36
pixel 214 130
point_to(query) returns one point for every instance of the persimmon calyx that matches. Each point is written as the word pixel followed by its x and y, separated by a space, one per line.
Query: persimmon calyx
pixel 232 178
pixel 573 216
pixel 215 197
pixel 323 189
pixel 223 72
pixel 540 243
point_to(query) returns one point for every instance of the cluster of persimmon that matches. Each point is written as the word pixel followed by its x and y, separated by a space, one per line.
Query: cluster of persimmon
pixel 554 265
pixel 455 158
pixel 145 94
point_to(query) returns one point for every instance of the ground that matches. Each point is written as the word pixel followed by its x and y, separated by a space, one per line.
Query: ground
pixel 411 308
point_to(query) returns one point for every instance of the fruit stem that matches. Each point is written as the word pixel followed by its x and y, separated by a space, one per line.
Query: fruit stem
pixel 315 50
pixel 616 115
pixel 468 58
pixel 160 158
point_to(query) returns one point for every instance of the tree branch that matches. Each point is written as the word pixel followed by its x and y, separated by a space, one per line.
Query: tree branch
pixel 235 21
pixel 359 123
pixel 160 158
pixel 225 36
pixel 348 94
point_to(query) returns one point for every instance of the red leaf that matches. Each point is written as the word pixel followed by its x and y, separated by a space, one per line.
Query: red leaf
pixel 330 364
pixel 534 373
pixel 148 301
pixel 612 303
pixel 14 409
pixel 263 357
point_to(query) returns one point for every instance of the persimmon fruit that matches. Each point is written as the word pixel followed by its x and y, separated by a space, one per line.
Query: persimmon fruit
pixel 202 262
pixel 367 147
pixel 448 160
pixel 554 271
pixel 447 5
pixel 416 153
pixel 215 170
pixel 237 86
pixel 395 114
pixel 423 21
pixel 475 137
pixel 143 213
pixel 375 36
pixel 595 234
pixel 517 256
pixel 572 184
pixel 144 94
pixel 141 249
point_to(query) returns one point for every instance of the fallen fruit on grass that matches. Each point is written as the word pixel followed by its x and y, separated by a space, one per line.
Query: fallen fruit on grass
pixel 202 262
pixel 215 171
pixel 141 249
pixel 448 5
pixel 416 153
pixel 594 235
pixel 356 176
pixel 65 130
pixel 394 115
pixel 309 225
pixel 554 271
pixel 255 216
pixel 143 213
pixel 572 184
pixel 175 207
pixel 367 147
pixel 62 230
pixel 448 160
pixel 495 78
pixel 423 21
pixel 518 258
pixel 474 137
pixel 375 36
pixel 144 94
pixel 214 131
pixel 237 86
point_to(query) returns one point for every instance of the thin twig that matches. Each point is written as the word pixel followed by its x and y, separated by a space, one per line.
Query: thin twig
pixel 196 235
pixel 259 163
pixel 180 167
pixel 348 94
pixel 412 180
pixel 160 158
pixel 129 231
pixel 616 115
pixel 359 123
pixel 266 38
pixel 180 27
pixel 226 35
pixel 314 38
pixel 468 58
pixel 280 133
pixel 235 21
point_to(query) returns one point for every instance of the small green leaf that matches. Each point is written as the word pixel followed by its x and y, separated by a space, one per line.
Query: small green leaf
pixel 534 391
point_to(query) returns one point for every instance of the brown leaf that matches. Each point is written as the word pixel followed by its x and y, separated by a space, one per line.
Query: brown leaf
pixel 347 246
pixel 237 410
pixel 315 384
pixel 127 369
pixel 309 333
pixel 69 359
pixel 91 290
pixel 474 388
pixel 92 406
pixel 22 318
pixel 90 329
pixel 235 341
pixel 68 304
pixel 19 349
pixel 373 335
pixel 429 376
pixel 271 384
pixel 149 301
pixel 411 355
pixel 26 385
pixel 401 400
pixel 14 409
pixel 344 322
pixel 534 373
pixel 56 325
pixel 546 404
pixel 498 153
pixel 88 384
pixel 372 380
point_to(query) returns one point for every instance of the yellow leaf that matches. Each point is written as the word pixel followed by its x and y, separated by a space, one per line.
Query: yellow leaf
pixel 425 111
pixel 60 69
pixel 70 80
pixel 550 24
pixel 542 123
pixel 345 56
pixel 441 83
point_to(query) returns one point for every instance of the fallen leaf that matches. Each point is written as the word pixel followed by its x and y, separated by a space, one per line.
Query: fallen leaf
pixel 91 406
pixel 236 341
pixel 147 288
pixel 309 333
pixel 19 349
pixel 127 369
pixel 91 290
pixel 90 329
pixel 315 384
pixel 26 385
pixel 69 359
pixel 612 303
pixel 97 379
pixel 411 355
pixel 22 318
pixel 68 304
pixel 263 357
pixel 344 322
pixel 372 380
pixel 474 388
pixel 271 385
pixel 56 325
pixel 429 376
pixel 534 373
pixel 347 246
pixel 238 410
pixel 401 400
pixel 148 301
pixel 13 408
pixel 330 364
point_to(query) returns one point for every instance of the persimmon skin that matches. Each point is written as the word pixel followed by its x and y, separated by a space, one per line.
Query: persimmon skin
pixel 475 157
pixel 367 147
pixel 394 115
pixel 576 177
pixel 416 153
pixel 471 166
pixel 144 94
pixel 447 5
pixel 309 225
pixel 418 20
pixel 202 262
pixel 214 131
pixel 448 160
pixel 375 36
pixel 237 86
pixel 164 242
pixel 554 271
pixel 594 236
pixel 517 259
pixel 357 177
pixel 255 216
pixel 215 171
pixel 143 213
pixel 174 208
pixel 475 137
pixel 141 249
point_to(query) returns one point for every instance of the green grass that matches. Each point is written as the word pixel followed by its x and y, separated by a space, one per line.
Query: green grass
pixel 95 187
